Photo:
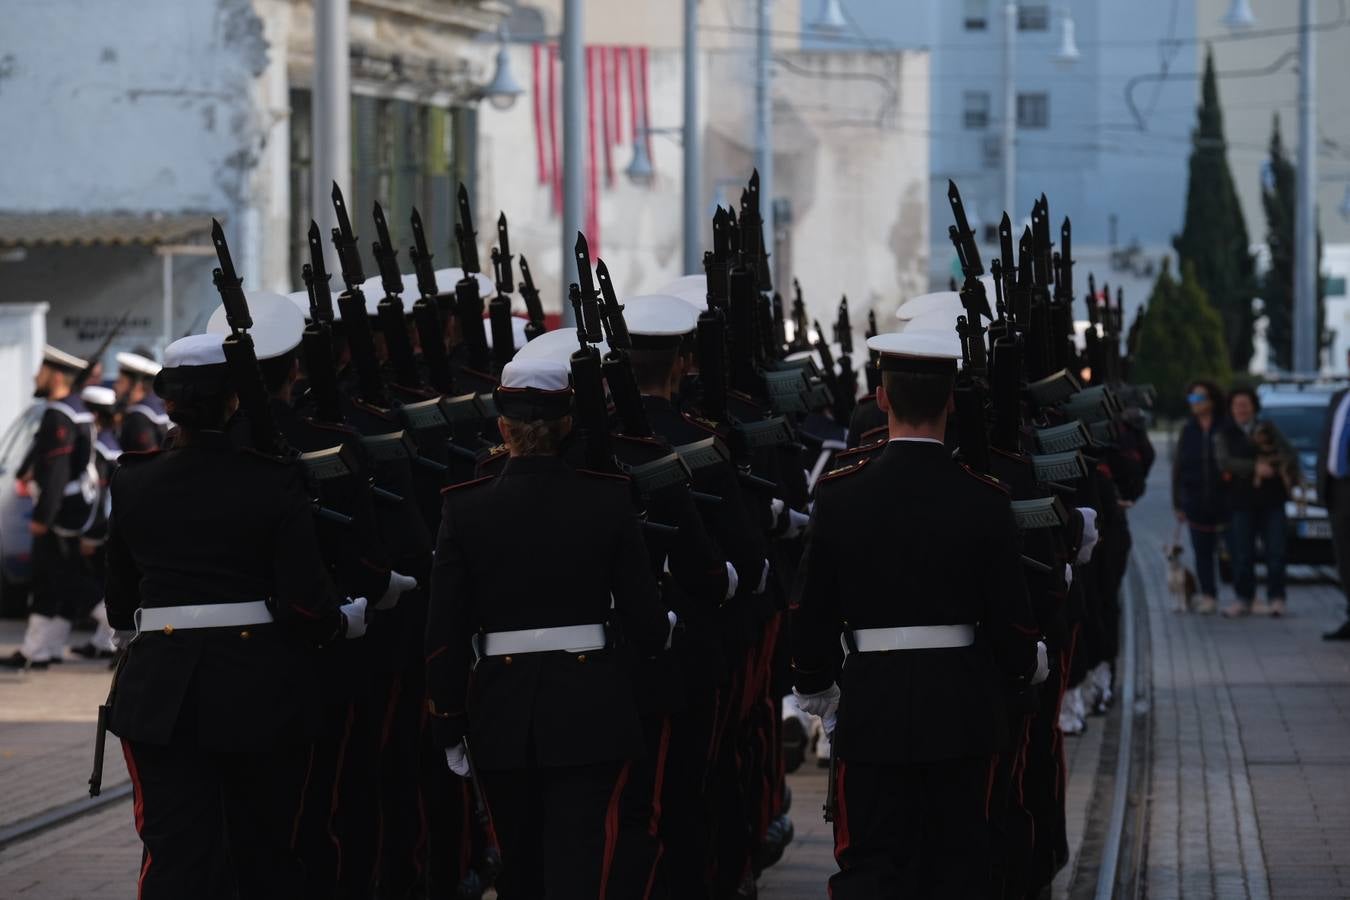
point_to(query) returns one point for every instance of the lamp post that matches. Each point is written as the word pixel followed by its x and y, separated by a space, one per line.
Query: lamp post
pixel 1009 144
pixel 693 157
pixel 331 124
pixel 574 147
pixel 1305 218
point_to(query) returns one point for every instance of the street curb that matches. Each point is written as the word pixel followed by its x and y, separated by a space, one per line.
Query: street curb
pixel 60 815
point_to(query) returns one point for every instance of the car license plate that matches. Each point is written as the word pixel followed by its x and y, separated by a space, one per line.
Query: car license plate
pixel 1316 529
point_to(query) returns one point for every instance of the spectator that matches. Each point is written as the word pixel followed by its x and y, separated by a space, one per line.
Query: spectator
pixel 1197 487
pixel 1333 489
pixel 1260 468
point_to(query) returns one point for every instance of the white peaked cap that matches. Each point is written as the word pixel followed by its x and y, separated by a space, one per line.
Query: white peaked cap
pixel 277 324
pixel 53 356
pixel 517 331
pixel 194 350
pixel 373 290
pixel 912 349
pixel 140 365
pixel 98 395
pixel 557 345
pixel 933 321
pixel 659 316
pixel 447 278
pixel 692 289
pixel 536 374
pixel 926 303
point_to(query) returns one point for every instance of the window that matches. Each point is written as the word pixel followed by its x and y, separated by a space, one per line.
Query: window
pixel 1033 110
pixel 976 109
pixel 1033 17
pixel 975 15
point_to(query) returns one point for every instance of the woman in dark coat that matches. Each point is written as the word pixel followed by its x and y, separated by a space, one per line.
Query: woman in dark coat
pixel 1198 495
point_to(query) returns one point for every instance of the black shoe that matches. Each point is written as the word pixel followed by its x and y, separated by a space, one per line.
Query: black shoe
pixel 19 662
pixel 1340 634
pixel 89 651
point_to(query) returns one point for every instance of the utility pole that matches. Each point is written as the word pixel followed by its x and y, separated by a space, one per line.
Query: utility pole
pixel 574 144
pixel 764 119
pixel 1305 219
pixel 1010 110
pixel 331 122
pixel 693 175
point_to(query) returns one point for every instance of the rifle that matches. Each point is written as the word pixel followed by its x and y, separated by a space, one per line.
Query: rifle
pixel 716 264
pixel 87 372
pixel 780 341
pixel 831 807
pixel 390 308
pixel 240 359
pixel 587 381
pixel 843 328
pixel 499 308
pixel 533 307
pixel 101 729
pixel 754 253
pixel 973 296
pixel 352 303
pixel 741 324
pixel 316 343
pixel 501 258
pixel 468 302
pixel 491 865
pixel 872 370
pixel 618 368
pixel 800 327
pixel 426 313
pixel 465 236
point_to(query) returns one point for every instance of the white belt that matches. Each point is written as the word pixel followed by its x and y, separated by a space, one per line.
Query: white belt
pixel 571 638
pixel 205 615
pixel 914 637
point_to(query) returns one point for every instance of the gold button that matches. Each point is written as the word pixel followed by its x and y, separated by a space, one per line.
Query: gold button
pixel 168 629
pixel 245 634
pixel 507 660
pixel 581 658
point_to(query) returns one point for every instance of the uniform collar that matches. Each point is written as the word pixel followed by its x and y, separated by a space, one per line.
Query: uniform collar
pixel 534 465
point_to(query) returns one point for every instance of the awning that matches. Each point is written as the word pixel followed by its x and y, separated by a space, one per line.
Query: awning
pixel 65 228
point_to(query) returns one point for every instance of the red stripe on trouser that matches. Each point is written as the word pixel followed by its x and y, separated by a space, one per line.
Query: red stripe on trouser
pixel 137 811
pixel 611 829
pixel 466 836
pixel 841 836
pixel 385 729
pixel 989 786
pixel 336 797
pixel 654 825
pixel 300 801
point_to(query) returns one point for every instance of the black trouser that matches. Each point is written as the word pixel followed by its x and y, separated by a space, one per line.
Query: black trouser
pixel 1339 501
pixel 217 824
pixel 916 830
pixel 61 583
pixel 557 829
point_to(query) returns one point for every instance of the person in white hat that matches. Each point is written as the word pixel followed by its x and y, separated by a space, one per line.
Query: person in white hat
pixel 60 475
pixel 213 563
pixel 547 711
pixel 102 402
pixel 144 422
pixel 912 766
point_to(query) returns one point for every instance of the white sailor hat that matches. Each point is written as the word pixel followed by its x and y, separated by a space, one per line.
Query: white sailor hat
pixel 135 364
pixel 938 301
pixel 517 331
pixel 692 289
pixel 557 345
pixel 277 324
pixel 373 290
pixel 919 351
pixel 658 321
pixel 446 279
pixel 938 320
pixel 534 389
pixel 192 363
pixel 60 359
pixel 99 396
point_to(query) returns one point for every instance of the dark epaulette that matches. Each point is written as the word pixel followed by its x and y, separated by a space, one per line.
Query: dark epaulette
pixel 374 410
pixel 339 427
pixel 839 473
pixel 636 439
pixel 270 457
pixel 989 480
pixel 872 434
pixel 463 484
pixel 598 474
pixel 1015 457
pixel 132 456
pixel 707 425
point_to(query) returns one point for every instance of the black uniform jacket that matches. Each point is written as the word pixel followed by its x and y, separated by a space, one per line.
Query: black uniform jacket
pixel 542 545
pixel 913 538
pixel 61 455
pixel 211 524
pixel 144 425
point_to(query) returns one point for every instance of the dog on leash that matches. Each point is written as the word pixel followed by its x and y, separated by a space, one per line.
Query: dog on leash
pixel 1181 582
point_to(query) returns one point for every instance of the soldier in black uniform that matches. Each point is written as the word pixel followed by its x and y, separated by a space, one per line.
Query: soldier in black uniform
pixel 539 572
pixel 212 561
pixel 63 481
pixel 102 402
pixel 915 562
pixel 144 422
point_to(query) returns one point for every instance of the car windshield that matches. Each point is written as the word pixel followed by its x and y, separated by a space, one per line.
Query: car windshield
pixel 16 441
pixel 1302 425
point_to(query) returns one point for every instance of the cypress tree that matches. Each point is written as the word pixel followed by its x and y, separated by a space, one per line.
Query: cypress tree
pixel 1180 338
pixel 1278 199
pixel 1214 237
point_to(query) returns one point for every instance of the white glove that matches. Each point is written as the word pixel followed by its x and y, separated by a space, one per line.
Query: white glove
pixel 823 703
pixel 829 722
pixel 122 639
pixel 1042 664
pixel 399 584
pixel 763 578
pixel 457 758
pixel 796 521
pixel 673 620
pixel 1089 533
pixel 355 614
pixel 733 581
pixel 1068 575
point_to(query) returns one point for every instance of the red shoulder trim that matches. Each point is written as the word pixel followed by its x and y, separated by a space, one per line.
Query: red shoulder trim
pixel 868 436
pixel 869 447
pixel 615 475
pixel 845 470
pixel 463 484
pixel 339 427
pixel 707 425
pixel 135 455
pixel 1015 457
pixel 635 439
pixel 987 479
pixel 374 410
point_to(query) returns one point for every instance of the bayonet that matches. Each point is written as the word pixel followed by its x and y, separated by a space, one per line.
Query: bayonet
pixel 421 258
pixel 963 239
pixel 588 324
pixel 465 236
pixel 501 258
pixel 611 311
pixel 344 239
pixel 533 307
pixel 316 278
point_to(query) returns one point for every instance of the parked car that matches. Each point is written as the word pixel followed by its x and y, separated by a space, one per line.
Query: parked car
pixel 1300 409
pixel 16 511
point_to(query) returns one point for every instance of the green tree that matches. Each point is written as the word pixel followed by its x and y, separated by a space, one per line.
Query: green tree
pixel 1214 237
pixel 1278 198
pixel 1180 339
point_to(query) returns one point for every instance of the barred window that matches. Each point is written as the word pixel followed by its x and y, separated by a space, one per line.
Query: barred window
pixel 975 110
pixel 1033 110
pixel 1033 17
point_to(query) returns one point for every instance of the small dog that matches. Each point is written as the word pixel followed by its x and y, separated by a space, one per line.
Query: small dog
pixel 1180 580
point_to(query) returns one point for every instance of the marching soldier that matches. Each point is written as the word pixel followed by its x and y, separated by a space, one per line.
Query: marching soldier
pixel 144 422
pixel 102 402
pixel 63 481
pixel 212 561
pixel 917 695
pixel 521 658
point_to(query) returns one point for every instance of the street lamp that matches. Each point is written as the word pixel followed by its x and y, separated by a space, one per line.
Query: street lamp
pixel 831 18
pixel 503 90
pixel 1239 15
pixel 641 171
pixel 1068 53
